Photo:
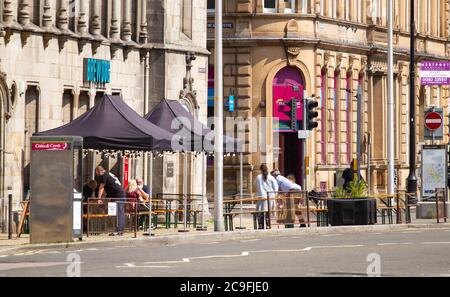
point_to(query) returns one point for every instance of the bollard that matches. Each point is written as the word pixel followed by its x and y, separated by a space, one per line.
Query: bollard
pixel 10 218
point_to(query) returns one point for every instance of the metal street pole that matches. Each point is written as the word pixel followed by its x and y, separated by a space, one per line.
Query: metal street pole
pixel 390 102
pixel 218 121
pixel 359 128
pixel 412 179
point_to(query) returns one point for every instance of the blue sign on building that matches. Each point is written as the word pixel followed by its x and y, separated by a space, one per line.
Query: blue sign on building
pixel 97 71
pixel 230 104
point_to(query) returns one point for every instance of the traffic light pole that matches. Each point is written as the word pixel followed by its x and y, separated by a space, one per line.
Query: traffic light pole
pixel 305 127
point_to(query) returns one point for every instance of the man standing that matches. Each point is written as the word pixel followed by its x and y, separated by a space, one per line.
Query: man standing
pixel 110 187
pixel 293 202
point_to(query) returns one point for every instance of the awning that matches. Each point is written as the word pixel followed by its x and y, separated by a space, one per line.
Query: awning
pixel 112 124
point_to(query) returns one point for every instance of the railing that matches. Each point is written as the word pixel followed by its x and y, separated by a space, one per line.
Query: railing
pixel 307 207
pixel 99 220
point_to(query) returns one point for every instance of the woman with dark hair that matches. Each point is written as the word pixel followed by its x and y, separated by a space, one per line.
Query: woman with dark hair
pixel 266 186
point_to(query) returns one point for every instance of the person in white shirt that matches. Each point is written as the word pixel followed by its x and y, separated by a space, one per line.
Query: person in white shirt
pixel 266 186
pixel 293 200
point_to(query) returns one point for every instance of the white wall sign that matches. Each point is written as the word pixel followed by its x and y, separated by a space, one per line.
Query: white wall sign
pixel 112 208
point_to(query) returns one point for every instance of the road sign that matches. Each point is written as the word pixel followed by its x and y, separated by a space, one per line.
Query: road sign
pixel 433 123
pixel 433 120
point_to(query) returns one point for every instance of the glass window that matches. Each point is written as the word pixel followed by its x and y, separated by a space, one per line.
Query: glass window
pixel 270 6
pixel 211 5
pixel 186 15
pixel 289 6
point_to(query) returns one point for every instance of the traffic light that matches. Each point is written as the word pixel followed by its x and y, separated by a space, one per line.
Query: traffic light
pixel 311 114
pixel 293 105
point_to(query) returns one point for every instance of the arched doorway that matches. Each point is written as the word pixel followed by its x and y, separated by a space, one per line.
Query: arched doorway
pixel 288 84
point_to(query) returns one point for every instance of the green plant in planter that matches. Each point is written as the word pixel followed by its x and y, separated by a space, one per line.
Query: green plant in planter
pixel 357 189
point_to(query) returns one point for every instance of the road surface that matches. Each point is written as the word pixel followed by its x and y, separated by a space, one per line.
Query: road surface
pixel 419 252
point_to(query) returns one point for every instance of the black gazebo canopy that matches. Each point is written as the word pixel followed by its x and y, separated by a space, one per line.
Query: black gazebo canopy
pixel 112 124
pixel 171 116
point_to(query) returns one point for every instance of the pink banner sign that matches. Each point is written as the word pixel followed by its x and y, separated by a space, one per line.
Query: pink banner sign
pixel 282 96
pixel 50 146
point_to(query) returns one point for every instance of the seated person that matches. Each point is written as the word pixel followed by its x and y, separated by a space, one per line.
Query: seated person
pixel 89 190
pixel 140 184
pixel 134 192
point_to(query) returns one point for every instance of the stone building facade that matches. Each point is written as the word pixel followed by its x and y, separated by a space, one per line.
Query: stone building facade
pixel 329 48
pixel 43 50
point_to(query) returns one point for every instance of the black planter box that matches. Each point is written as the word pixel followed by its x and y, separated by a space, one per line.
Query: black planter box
pixel 346 212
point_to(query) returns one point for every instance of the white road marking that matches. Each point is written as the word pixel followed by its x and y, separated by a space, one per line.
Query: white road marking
pixel 445 275
pixel 332 235
pixel 130 265
pixel 10 266
pixel 210 243
pixel 4 256
pixel 412 232
pixel 184 260
pixel 250 240
pixel 436 242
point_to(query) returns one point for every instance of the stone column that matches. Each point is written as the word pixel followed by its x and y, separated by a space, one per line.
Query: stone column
pixel 91 99
pixel 63 17
pixel 8 15
pixel 143 31
pixel 82 20
pixel 24 12
pixel 47 19
pixel 95 18
pixel 115 27
pixel 126 30
pixel 76 100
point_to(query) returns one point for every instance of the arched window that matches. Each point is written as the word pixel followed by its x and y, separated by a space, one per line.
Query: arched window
pixel 288 84
pixel 31 127
pixel 67 107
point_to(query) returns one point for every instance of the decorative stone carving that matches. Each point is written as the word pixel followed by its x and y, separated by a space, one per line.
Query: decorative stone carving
pixel 5 94
pixel 292 29
pixel 143 31
pixel 188 81
pixel 292 54
pixel 351 65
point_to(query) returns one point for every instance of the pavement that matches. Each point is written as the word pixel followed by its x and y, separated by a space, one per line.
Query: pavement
pixel 396 250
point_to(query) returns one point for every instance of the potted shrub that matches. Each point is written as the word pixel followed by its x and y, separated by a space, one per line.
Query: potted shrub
pixel 352 206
